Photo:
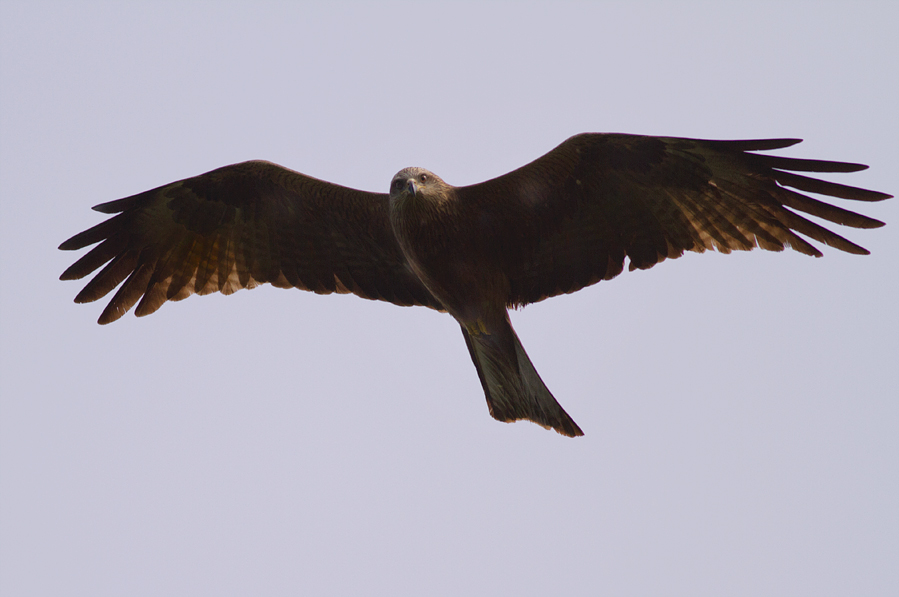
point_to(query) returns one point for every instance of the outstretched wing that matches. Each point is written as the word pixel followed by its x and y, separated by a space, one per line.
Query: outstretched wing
pixel 569 219
pixel 238 227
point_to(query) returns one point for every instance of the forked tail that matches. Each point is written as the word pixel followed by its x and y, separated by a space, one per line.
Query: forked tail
pixel 513 387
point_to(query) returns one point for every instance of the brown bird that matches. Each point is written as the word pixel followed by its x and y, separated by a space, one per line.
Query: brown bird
pixel 565 221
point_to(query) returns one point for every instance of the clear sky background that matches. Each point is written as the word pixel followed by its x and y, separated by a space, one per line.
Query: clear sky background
pixel 741 411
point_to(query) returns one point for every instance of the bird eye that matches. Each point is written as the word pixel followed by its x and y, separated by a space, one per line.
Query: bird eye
pixel 423 178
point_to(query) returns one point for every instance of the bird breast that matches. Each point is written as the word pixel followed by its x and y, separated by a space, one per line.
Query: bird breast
pixel 443 249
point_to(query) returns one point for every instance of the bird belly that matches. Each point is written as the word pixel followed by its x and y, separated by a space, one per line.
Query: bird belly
pixel 472 292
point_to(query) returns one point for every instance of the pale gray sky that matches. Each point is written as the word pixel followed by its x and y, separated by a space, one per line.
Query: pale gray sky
pixel 741 411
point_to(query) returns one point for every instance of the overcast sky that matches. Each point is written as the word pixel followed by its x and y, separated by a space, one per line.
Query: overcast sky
pixel 741 411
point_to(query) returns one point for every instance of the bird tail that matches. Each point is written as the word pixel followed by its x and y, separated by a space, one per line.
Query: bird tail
pixel 513 387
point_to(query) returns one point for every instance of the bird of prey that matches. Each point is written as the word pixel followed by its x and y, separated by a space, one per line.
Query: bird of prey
pixel 565 221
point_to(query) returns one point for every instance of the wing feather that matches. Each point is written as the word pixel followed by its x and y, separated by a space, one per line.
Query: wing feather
pixel 238 227
pixel 573 216
pixel 109 277
pixel 91 236
pixel 96 257
pixel 129 293
pixel 823 187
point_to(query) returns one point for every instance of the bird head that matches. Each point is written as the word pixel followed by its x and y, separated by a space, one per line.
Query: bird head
pixel 417 183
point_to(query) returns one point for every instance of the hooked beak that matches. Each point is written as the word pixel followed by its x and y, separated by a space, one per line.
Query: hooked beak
pixel 411 187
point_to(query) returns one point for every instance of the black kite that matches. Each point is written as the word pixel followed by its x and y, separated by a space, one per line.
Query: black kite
pixel 563 222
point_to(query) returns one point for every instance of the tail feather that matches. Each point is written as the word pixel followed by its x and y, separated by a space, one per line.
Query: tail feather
pixel 512 386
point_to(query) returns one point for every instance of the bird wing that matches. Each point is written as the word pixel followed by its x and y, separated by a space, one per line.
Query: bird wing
pixel 570 218
pixel 238 227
